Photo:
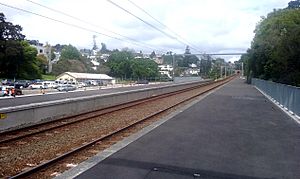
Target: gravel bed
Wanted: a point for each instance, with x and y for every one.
(29, 152)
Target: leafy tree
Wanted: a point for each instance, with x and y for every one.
(8, 31)
(123, 64)
(103, 69)
(119, 63)
(58, 47)
(17, 57)
(294, 4)
(167, 59)
(144, 68)
(205, 66)
(152, 55)
(187, 50)
(10, 48)
(29, 66)
(70, 52)
(68, 65)
(104, 48)
(275, 50)
(42, 63)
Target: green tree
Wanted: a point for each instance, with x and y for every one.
(119, 63)
(70, 52)
(10, 48)
(17, 57)
(144, 68)
(104, 48)
(152, 55)
(68, 65)
(124, 65)
(42, 63)
(275, 50)
(294, 4)
(29, 66)
(205, 66)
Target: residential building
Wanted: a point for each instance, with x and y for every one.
(165, 70)
(101, 79)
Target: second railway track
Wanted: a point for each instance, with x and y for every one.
(31, 151)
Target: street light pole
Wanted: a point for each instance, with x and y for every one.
(221, 72)
(225, 71)
(242, 68)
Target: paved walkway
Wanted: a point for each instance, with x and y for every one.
(233, 133)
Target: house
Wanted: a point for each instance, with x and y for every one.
(39, 46)
(165, 70)
(100, 79)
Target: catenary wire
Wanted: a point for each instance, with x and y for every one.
(154, 27)
(143, 10)
(69, 24)
(89, 23)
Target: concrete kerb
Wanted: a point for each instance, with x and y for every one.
(295, 117)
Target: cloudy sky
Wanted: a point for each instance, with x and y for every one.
(208, 26)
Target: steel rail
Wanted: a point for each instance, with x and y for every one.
(125, 106)
(52, 161)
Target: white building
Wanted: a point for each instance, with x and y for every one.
(165, 70)
(72, 77)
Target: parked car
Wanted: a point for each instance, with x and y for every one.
(23, 83)
(7, 82)
(38, 85)
(51, 84)
(3, 91)
(66, 88)
(81, 85)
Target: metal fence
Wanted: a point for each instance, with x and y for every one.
(287, 96)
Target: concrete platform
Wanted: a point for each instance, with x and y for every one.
(234, 132)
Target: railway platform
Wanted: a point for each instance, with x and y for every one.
(234, 132)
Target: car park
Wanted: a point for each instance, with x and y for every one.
(38, 85)
(66, 88)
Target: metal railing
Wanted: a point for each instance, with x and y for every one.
(287, 96)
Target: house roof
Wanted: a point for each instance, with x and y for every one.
(88, 76)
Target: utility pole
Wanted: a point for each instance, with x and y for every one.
(242, 68)
(173, 65)
(48, 56)
(225, 71)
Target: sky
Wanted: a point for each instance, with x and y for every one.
(207, 26)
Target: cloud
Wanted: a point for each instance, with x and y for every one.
(210, 26)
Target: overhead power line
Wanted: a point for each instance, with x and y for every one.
(89, 23)
(143, 10)
(69, 24)
(154, 27)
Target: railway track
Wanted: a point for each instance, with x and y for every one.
(18, 134)
(31, 135)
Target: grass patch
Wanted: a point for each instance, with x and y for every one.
(49, 77)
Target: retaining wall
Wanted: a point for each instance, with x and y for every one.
(26, 115)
